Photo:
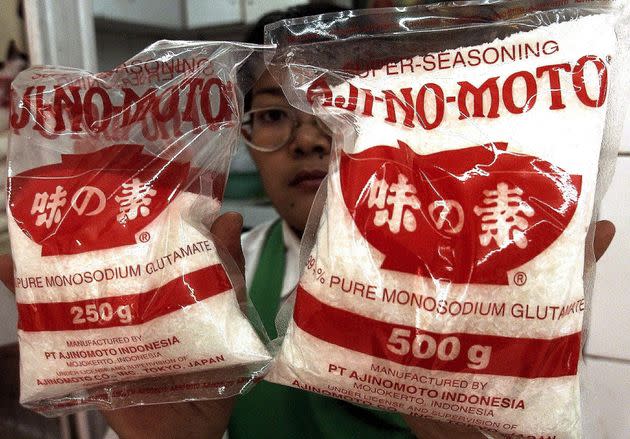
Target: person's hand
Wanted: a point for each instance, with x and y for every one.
(429, 429)
(187, 420)
(604, 234)
(183, 420)
(190, 420)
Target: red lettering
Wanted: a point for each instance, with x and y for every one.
(142, 105)
(530, 94)
(172, 103)
(407, 106)
(477, 94)
(206, 105)
(190, 112)
(368, 105)
(351, 104)
(579, 83)
(21, 120)
(554, 83)
(438, 94)
(320, 90)
(74, 106)
(91, 112)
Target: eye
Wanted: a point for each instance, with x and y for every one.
(271, 116)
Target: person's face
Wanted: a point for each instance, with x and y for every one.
(292, 174)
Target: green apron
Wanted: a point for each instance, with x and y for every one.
(272, 411)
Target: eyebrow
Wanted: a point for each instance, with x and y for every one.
(276, 91)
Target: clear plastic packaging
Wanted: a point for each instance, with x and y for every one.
(447, 261)
(114, 179)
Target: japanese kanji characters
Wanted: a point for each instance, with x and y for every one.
(402, 199)
(48, 206)
(442, 220)
(136, 197)
(502, 215)
(90, 192)
(447, 215)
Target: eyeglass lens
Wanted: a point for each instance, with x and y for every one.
(271, 128)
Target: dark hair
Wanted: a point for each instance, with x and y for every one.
(257, 33)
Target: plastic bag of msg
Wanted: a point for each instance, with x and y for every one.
(445, 272)
(124, 297)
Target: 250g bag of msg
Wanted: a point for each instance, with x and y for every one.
(472, 143)
(123, 295)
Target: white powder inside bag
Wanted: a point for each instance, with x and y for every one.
(207, 334)
(446, 276)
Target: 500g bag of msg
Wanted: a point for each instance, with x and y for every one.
(445, 273)
(124, 297)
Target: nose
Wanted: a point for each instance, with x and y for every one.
(309, 138)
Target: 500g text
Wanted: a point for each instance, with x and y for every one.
(425, 346)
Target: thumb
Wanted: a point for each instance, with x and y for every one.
(227, 232)
(604, 234)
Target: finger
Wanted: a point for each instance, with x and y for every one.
(6, 272)
(227, 231)
(604, 234)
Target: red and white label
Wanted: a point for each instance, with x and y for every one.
(128, 309)
(468, 215)
(452, 352)
(94, 201)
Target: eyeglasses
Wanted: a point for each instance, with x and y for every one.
(269, 129)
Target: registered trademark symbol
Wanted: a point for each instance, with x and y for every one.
(144, 237)
(520, 278)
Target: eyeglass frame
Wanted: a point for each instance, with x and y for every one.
(291, 112)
